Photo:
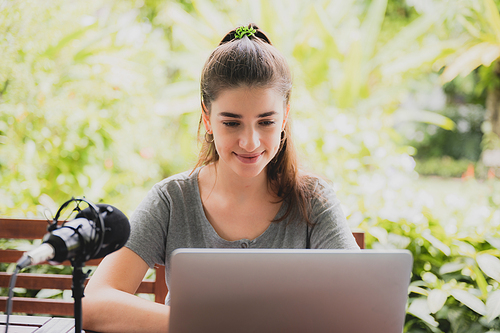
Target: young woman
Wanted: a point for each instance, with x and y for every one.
(245, 192)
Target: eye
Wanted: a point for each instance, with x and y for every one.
(267, 122)
(230, 123)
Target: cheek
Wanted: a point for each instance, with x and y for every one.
(275, 140)
(222, 143)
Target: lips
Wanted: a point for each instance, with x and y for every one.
(249, 158)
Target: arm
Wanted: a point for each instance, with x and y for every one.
(110, 305)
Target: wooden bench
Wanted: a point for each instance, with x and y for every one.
(35, 229)
(32, 229)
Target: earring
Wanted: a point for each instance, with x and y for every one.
(207, 140)
(283, 135)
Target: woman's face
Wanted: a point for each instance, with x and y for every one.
(246, 124)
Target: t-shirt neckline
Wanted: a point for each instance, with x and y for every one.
(211, 229)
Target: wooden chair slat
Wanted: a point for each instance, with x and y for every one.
(360, 238)
(23, 228)
(38, 281)
(54, 307)
(12, 256)
(59, 281)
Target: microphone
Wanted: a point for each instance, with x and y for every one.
(91, 235)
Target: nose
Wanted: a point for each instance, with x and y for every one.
(250, 140)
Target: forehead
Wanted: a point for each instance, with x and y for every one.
(248, 100)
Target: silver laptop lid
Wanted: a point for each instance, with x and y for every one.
(227, 290)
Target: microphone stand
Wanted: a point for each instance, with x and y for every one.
(78, 285)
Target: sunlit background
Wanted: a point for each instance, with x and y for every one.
(396, 102)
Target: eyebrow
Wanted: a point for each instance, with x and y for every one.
(239, 116)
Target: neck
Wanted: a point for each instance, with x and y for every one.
(234, 186)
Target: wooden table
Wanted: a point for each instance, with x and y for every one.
(30, 324)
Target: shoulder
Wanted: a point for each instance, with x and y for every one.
(178, 190)
(173, 188)
(185, 181)
(320, 195)
(315, 187)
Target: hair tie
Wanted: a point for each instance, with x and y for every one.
(244, 31)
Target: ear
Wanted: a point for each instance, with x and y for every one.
(285, 116)
(206, 118)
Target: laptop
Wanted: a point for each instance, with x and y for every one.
(242, 290)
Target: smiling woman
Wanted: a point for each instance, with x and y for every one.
(246, 190)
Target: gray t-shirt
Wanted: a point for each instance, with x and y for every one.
(172, 216)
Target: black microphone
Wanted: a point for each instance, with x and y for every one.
(83, 237)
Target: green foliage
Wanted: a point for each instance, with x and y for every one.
(453, 233)
(462, 142)
(78, 113)
(442, 166)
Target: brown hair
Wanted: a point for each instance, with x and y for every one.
(253, 61)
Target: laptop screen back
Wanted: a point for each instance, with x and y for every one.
(222, 290)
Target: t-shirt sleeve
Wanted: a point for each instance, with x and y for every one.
(330, 229)
(149, 225)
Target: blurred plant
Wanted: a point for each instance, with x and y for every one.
(77, 112)
(463, 142)
(480, 48)
(470, 78)
(443, 167)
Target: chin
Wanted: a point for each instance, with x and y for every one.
(248, 171)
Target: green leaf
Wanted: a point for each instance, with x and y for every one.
(372, 25)
(52, 51)
(481, 281)
(481, 53)
(490, 265)
(48, 293)
(493, 17)
(493, 305)
(418, 290)
(473, 30)
(413, 60)
(436, 300)
(392, 49)
(420, 309)
(436, 242)
(469, 300)
(451, 267)
(465, 248)
(495, 241)
(423, 116)
(353, 77)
